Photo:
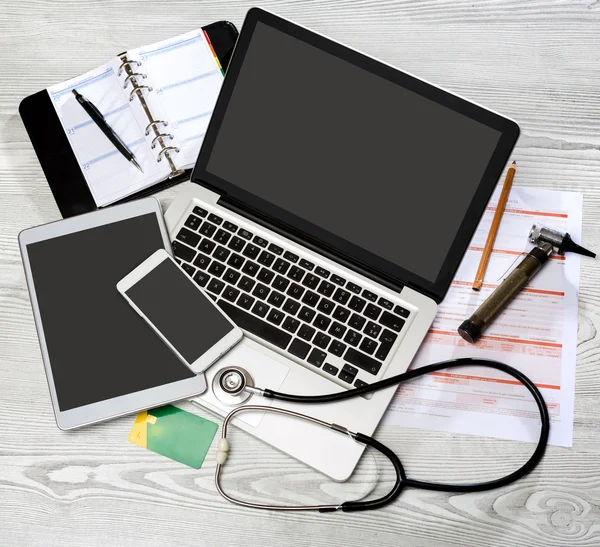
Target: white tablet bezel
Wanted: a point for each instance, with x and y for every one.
(125, 404)
(209, 357)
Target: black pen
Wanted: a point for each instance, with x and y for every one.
(99, 120)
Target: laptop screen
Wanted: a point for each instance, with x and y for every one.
(374, 163)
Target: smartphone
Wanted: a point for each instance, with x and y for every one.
(179, 311)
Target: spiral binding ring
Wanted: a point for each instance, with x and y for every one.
(160, 135)
(127, 63)
(154, 124)
(131, 94)
(164, 150)
(133, 75)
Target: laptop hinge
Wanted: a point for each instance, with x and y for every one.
(312, 244)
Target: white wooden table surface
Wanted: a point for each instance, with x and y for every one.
(536, 61)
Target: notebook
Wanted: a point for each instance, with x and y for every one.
(158, 98)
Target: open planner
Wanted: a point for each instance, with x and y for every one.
(157, 98)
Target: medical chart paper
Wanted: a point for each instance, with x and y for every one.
(537, 334)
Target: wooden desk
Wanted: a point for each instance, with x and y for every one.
(538, 62)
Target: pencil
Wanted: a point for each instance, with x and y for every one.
(489, 244)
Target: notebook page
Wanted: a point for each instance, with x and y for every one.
(108, 174)
(186, 78)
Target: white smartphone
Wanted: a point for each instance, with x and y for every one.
(180, 312)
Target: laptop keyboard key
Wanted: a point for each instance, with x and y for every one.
(260, 241)
(362, 361)
(291, 325)
(281, 283)
(317, 357)
(310, 298)
(341, 296)
(299, 348)
(322, 272)
(199, 211)
(296, 273)
(391, 321)
(188, 269)
(311, 281)
(326, 288)
(337, 329)
(245, 301)
(399, 310)
(338, 280)
(306, 332)
(246, 284)
(306, 314)
(230, 226)
(275, 317)
(231, 293)
(208, 229)
(216, 268)
(276, 249)
(214, 218)
(193, 222)
(236, 261)
(231, 276)
(357, 321)
(348, 373)
(251, 251)
(370, 295)
(326, 306)
(276, 299)
(256, 326)
(321, 340)
(188, 237)
(306, 264)
(295, 290)
(221, 253)
(266, 276)
(260, 309)
(236, 244)
(281, 266)
(207, 246)
(353, 287)
(291, 306)
(341, 314)
(201, 278)
(322, 322)
(202, 261)
(250, 268)
(245, 234)
(222, 236)
(384, 303)
(290, 256)
(368, 345)
(337, 348)
(387, 340)
(372, 329)
(183, 251)
(360, 383)
(266, 258)
(352, 337)
(261, 291)
(372, 311)
(330, 369)
(357, 303)
(215, 286)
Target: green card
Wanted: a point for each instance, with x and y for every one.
(174, 433)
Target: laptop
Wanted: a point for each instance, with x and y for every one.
(331, 204)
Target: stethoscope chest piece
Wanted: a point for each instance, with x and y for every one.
(229, 385)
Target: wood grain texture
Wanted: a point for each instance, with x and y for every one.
(536, 61)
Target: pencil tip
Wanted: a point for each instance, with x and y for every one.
(514, 163)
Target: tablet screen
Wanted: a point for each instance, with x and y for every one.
(99, 347)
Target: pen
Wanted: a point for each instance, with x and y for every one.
(489, 244)
(99, 120)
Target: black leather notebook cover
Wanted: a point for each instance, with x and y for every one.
(54, 152)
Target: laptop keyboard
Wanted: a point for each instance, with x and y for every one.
(286, 300)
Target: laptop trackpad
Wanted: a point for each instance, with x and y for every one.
(261, 363)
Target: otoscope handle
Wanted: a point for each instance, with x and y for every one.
(472, 329)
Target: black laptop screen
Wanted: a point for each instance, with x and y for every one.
(351, 152)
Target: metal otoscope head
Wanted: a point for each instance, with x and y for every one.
(561, 242)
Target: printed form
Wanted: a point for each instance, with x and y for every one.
(536, 334)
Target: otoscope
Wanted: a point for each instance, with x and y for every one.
(546, 241)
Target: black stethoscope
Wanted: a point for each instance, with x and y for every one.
(235, 381)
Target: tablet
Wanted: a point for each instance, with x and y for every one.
(102, 360)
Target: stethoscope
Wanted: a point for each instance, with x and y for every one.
(237, 382)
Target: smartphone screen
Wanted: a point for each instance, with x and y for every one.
(179, 310)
